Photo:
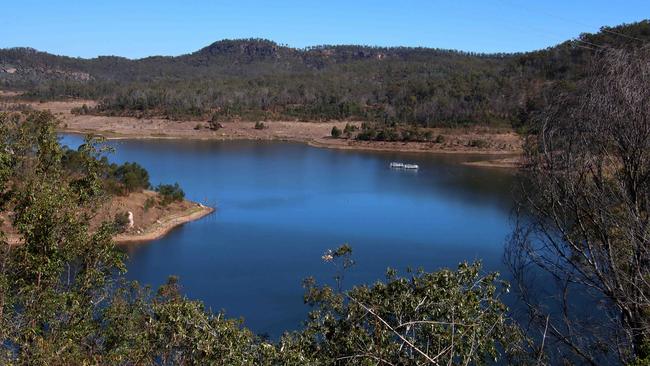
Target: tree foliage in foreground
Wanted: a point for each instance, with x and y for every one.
(64, 301)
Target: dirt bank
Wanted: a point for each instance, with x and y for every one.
(471, 140)
(150, 220)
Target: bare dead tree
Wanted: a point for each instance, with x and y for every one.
(584, 216)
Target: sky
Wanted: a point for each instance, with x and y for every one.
(140, 28)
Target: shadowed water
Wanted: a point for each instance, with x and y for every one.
(281, 205)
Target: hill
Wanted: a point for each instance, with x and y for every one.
(256, 79)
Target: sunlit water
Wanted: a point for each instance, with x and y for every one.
(280, 206)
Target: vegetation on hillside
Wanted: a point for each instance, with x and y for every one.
(259, 80)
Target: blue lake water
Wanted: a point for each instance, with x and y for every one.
(280, 206)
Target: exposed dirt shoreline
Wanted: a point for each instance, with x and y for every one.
(148, 223)
(469, 141)
(164, 226)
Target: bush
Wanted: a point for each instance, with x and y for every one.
(259, 125)
(336, 132)
(214, 124)
(83, 110)
(439, 139)
(170, 193)
(149, 203)
(349, 129)
(132, 176)
(478, 143)
(121, 222)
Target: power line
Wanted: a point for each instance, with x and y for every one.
(603, 29)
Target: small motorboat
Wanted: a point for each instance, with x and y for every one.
(411, 166)
(396, 165)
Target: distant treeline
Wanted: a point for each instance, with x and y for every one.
(257, 79)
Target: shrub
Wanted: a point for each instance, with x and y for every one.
(214, 124)
(121, 222)
(349, 129)
(170, 193)
(149, 203)
(259, 125)
(439, 139)
(336, 132)
(83, 110)
(478, 143)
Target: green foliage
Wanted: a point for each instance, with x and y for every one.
(349, 129)
(336, 132)
(478, 143)
(133, 177)
(446, 317)
(61, 272)
(214, 123)
(393, 132)
(149, 203)
(170, 193)
(260, 80)
(83, 110)
(259, 125)
(121, 222)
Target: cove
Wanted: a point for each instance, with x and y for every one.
(281, 205)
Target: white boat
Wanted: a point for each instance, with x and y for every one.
(396, 165)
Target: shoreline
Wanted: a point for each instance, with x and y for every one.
(473, 140)
(153, 232)
(165, 225)
(325, 142)
(511, 162)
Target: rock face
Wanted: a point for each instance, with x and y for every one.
(131, 223)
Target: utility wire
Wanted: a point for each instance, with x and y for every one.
(587, 45)
(572, 21)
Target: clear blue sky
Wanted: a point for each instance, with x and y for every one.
(138, 28)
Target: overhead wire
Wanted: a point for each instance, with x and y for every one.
(603, 29)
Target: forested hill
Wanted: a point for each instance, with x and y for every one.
(259, 79)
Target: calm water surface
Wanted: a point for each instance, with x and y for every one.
(281, 205)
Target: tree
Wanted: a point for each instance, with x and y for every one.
(170, 193)
(585, 216)
(133, 177)
(61, 273)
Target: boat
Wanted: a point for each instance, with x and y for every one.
(397, 165)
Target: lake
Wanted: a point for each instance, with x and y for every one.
(281, 205)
